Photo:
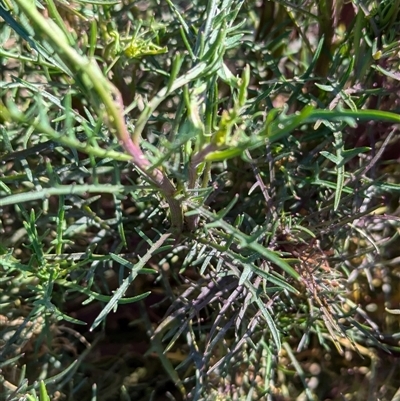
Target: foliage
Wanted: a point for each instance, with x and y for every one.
(199, 200)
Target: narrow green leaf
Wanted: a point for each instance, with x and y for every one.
(339, 168)
(270, 322)
(61, 190)
(43, 396)
(245, 274)
(274, 258)
(330, 157)
(134, 271)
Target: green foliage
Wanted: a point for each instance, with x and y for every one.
(206, 179)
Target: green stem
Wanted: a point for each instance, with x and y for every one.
(107, 100)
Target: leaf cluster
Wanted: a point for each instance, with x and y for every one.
(214, 175)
